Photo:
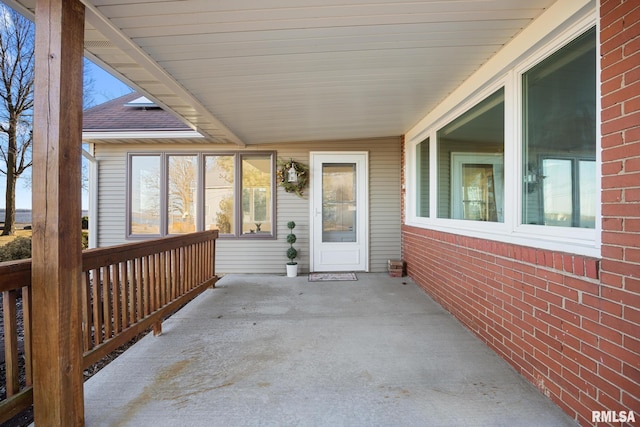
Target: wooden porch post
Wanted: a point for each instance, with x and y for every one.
(57, 251)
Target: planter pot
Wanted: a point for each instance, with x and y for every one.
(292, 270)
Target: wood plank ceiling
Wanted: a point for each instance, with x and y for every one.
(254, 72)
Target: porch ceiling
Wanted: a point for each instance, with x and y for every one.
(249, 72)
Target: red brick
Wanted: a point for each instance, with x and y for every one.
(632, 315)
(609, 72)
(613, 140)
(616, 378)
(631, 372)
(613, 168)
(562, 290)
(618, 324)
(616, 349)
(601, 357)
(610, 307)
(611, 279)
(629, 401)
(546, 297)
(621, 296)
(620, 239)
(629, 210)
(592, 267)
(613, 224)
(632, 75)
(582, 310)
(632, 225)
(632, 164)
(548, 341)
(602, 331)
(632, 344)
(632, 135)
(632, 195)
(631, 105)
(625, 180)
(615, 97)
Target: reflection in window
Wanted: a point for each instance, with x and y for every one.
(256, 194)
(145, 195)
(559, 128)
(219, 174)
(471, 163)
(568, 192)
(183, 174)
(422, 168)
(339, 202)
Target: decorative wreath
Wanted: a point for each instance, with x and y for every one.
(283, 174)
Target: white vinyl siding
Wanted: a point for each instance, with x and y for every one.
(268, 256)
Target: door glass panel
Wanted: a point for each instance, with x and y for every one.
(339, 202)
(478, 198)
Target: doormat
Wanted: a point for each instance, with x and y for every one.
(331, 277)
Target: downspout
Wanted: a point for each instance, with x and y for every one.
(93, 196)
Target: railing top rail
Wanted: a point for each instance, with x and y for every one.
(99, 257)
(16, 274)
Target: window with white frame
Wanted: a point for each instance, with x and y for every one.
(181, 193)
(559, 137)
(471, 163)
(522, 156)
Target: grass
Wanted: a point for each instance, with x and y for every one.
(19, 233)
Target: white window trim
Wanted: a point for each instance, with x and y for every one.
(566, 239)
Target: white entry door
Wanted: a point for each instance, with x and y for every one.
(339, 211)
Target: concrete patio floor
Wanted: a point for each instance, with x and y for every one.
(276, 351)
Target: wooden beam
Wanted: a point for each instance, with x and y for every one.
(57, 252)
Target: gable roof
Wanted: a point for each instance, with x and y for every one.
(132, 118)
(121, 114)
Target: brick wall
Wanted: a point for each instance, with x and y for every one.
(569, 324)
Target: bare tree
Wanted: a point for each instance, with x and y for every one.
(16, 110)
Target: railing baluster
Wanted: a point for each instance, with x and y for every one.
(107, 302)
(86, 310)
(26, 321)
(147, 287)
(97, 307)
(125, 295)
(10, 342)
(117, 312)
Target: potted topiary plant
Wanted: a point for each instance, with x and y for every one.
(292, 253)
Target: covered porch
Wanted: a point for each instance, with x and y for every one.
(271, 350)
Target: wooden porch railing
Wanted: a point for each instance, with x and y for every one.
(127, 289)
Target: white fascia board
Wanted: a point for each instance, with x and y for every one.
(158, 134)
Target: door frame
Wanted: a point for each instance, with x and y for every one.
(363, 201)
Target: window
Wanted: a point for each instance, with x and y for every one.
(219, 178)
(516, 159)
(144, 190)
(257, 173)
(422, 182)
(183, 193)
(470, 163)
(559, 137)
(183, 179)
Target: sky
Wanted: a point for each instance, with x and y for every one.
(105, 88)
